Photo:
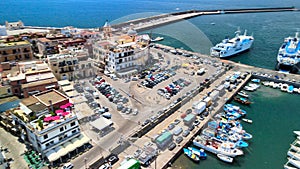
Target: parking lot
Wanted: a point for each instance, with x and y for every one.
(132, 104)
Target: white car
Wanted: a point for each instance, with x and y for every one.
(68, 166)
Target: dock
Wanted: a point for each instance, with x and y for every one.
(147, 23)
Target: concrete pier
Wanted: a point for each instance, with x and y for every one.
(147, 23)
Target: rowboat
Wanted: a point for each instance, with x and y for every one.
(247, 120)
(225, 158)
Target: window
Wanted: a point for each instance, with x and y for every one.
(8, 91)
(61, 129)
(74, 131)
(45, 136)
(73, 124)
(54, 64)
(47, 144)
(60, 138)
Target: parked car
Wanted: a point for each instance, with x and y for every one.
(171, 146)
(185, 133)
(67, 166)
(113, 158)
(179, 140)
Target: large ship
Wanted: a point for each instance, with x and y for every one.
(229, 47)
(288, 57)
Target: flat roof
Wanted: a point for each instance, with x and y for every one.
(63, 82)
(40, 76)
(29, 101)
(101, 123)
(40, 82)
(163, 137)
(14, 43)
(53, 95)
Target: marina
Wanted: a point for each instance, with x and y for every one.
(221, 115)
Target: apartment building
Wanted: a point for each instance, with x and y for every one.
(63, 65)
(15, 51)
(32, 78)
(54, 132)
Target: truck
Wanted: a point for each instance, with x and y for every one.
(200, 108)
(130, 164)
(208, 101)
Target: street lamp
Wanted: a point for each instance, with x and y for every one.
(85, 159)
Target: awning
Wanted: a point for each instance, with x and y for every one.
(60, 150)
(69, 146)
(50, 86)
(52, 155)
(59, 111)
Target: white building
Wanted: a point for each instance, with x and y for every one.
(124, 55)
(53, 134)
(3, 30)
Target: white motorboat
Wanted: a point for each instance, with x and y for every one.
(296, 163)
(295, 148)
(297, 133)
(217, 147)
(256, 86)
(293, 155)
(266, 83)
(247, 120)
(296, 90)
(243, 94)
(157, 39)
(229, 47)
(275, 85)
(225, 158)
(250, 89)
(271, 84)
(288, 167)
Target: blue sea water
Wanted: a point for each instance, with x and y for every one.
(275, 114)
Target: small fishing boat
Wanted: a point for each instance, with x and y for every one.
(246, 136)
(241, 144)
(243, 94)
(284, 87)
(288, 167)
(200, 153)
(247, 120)
(191, 155)
(296, 90)
(225, 158)
(296, 163)
(157, 39)
(242, 100)
(295, 148)
(255, 80)
(250, 89)
(290, 89)
(297, 133)
(293, 155)
(266, 83)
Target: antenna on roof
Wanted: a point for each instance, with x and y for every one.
(238, 31)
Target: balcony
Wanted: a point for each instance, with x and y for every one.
(62, 141)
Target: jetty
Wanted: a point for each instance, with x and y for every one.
(151, 22)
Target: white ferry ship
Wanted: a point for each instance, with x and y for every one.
(230, 47)
(288, 57)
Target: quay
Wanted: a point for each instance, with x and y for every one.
(151, 22)
(145, 134)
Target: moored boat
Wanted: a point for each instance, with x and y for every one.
(242, 100)
(191, 155)
(284, 87)
(290, 89)
(247, 120)
(225, 158)
(293, 155)
(243, 94)
(217, 147)
(250, 89)
(288, 167)
(255, 80)
(157, 39)
(266, 83)
(246, 136)
(297, 133)
(296, 163)
(200, 153)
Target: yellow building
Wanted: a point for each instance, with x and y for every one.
(15, 51)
